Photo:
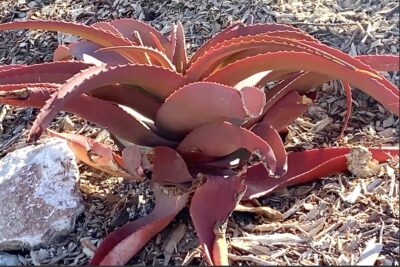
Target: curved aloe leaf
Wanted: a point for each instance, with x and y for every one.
(130, 96)
(19, 86)
(53, 72)
(286, 110)
(381, 62)
(93, 153)
(154, 54)
(149, 35)
(235, 49)
(272, 137)
(134, 159)
(103, 35)
(369, 82)
(238, 30)
(98, 76)
(199, 103)
(210, 210)
(178, 41)
(226, 139)
(103, 113)
(93, 34)
(304, 167)
(169, 167)
(62, 53)
(81, 49)
(27, 95)
(125, 242)
(248, 46)
(107, 26)
(12, 66)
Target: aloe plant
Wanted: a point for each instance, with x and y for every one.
(203, 125)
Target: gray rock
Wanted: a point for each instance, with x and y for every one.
(7, 259)
(39, 195)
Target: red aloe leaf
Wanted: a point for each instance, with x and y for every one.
(103, 113)
(226, 139)
(230, 50)
(125, 242)
(169, 167)
(368, 82)
(306, 166)
(238, 30)
(349, 106)
(62, 53)
(82, 48)
(106, 26)
(247, 46)
(155, 55)
(132, 160)
(286, 110)
(272, 137)
(19, 86)
(98, 76)
(27, 95)
(130, 96)
(103, 35)
(179, 58)
(149, 35)
(272, 76)
(53, 72)
(93, 153)
(381, 62)
(199, 103)
(311, 80)
(13, 66)
(210, 208)
(96, 35)
(252, 45)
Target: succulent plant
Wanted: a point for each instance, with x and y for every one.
(205, 126)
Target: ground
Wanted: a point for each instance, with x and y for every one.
(322, 223)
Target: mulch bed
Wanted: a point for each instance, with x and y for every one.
(330, 221)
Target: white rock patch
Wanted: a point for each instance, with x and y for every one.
(39, 195)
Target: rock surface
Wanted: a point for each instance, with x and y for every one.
(7, 259)
(360, 162)
(39, 195)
